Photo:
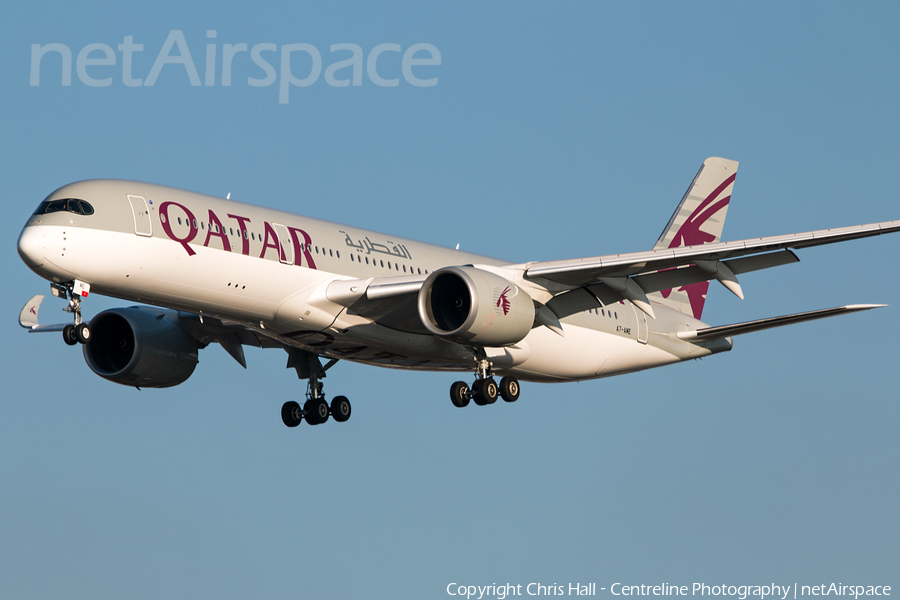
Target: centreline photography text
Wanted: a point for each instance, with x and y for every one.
(741, 592)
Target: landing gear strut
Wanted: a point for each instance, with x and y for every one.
(79, 332)
(316, 409)
(484, 390)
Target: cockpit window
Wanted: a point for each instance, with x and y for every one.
(72, 205)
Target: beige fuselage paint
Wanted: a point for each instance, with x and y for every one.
(269, 270)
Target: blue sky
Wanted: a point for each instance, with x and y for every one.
(555, 130)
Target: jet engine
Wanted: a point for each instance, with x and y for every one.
(143, 347)
(472, 306)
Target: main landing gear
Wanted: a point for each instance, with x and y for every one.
(484, 390)
(77, 332)
(316, 409)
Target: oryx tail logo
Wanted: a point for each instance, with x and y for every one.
(503, 301)
(690, 234)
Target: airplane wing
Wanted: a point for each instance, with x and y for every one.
(584, 271)
(711, 333)
(230, 335)
(632, 276)
(389, 301)
(578, 284)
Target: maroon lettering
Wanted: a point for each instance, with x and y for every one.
(245, 237)
(216, 229)
(305, 245)
(271, 235)
(167, 225)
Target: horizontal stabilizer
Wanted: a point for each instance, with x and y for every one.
(711, 333)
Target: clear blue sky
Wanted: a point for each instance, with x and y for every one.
(555, 130)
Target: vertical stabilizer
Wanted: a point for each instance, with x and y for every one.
(698, 220)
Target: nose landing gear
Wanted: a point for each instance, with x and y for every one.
(73, 291)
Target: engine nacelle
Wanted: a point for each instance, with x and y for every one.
(472, 306)
(140, 347)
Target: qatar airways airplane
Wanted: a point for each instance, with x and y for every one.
(235, 274)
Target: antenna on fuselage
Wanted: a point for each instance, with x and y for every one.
(228, 197)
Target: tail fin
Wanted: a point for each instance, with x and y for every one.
(698, 220)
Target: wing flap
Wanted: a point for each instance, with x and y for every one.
(598, 294)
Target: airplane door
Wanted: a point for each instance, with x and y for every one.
(287, 246)
(643, 329)
(141, 212)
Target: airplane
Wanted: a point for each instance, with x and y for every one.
(213, 270)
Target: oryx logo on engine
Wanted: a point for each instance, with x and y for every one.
(501, 301)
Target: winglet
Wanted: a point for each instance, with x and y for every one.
(28, 318)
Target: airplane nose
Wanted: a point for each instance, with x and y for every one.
(32, 246)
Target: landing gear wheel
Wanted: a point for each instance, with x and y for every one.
(484, 391)
(316, 411)
(459, 394)
(291, 414)
(308, 412)
(509, 389)
(340, 408)
(82, 333)
(68, 333)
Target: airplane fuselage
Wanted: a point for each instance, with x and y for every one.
(269, 271)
